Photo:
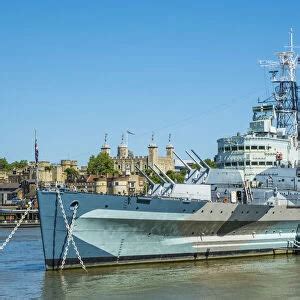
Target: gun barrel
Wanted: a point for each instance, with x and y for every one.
(156, 173)
(146, 176)
(183, 162)
(165, 175)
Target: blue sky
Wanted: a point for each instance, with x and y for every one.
(75, 70)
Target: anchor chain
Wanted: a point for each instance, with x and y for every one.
(16, 228)
(70, 238)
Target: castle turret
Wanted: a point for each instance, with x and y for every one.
(170, 148)
(105, 147)
(153, 152)
(122, 149)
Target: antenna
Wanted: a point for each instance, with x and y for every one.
(285, 95)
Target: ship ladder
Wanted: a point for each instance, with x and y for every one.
(10, 236)
(70, 228)
(248, 192)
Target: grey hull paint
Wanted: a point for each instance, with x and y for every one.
(116, 229)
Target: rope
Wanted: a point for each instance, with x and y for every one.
(70, 229)
(16, 228)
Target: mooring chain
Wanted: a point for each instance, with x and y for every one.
(16, 228)
(70, 238)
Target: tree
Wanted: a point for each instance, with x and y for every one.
(101, 164)
(19, 164)
(152, 176)
(72, 174)
(211, 163)
(4, 165)
(177, 177)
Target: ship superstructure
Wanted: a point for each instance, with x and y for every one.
(272, 140)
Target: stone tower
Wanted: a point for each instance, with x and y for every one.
(153, 152)
(170, 149)
(122, 149)
(105, 147)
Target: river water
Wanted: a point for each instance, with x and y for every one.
(22, 276)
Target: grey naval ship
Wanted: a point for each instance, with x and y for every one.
(249, 205)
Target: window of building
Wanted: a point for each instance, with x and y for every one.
(247, 147)
(241, 148)
(234, 148)
(253, 147)
(247, 163)
(227, 164)
(241, 163)
(261, 147)
(269, 163)
(234, 163)
(227, 148)
(254, 163)
(262, 163)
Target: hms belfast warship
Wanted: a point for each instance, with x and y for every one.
(248, 205)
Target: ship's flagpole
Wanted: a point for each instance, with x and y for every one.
(36, 156)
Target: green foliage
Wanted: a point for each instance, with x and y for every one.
(6, 166)
(152, 176)
(211, 163)
(101, 164)
(177, 177)
(72, 174)
(19, 164)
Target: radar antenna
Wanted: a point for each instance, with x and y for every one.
(285, 95)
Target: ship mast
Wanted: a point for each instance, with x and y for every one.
(285, 95)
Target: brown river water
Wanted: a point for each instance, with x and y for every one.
(22, 276)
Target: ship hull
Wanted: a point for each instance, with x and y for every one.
(121, 230)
